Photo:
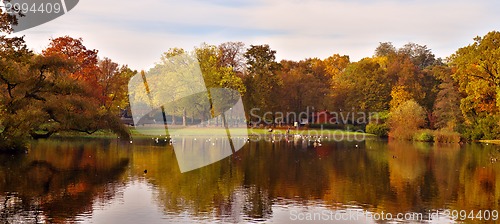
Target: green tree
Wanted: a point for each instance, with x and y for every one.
(181, 83)
(477, 72)
(175, 86)
(261, 81)
(219, 65)
(364, 86)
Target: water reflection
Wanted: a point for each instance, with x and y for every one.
(57, 181)
(104, 181)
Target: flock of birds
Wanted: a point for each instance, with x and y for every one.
(315, 141)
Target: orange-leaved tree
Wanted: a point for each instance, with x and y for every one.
(85, 61)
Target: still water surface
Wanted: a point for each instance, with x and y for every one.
(104, 181)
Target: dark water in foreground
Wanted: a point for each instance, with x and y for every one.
(103, 181)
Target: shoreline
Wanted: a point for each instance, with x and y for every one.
(219, 131)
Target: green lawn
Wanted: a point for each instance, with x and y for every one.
(250, 131)
(218, 132)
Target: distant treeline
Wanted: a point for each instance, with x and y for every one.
(409, 87)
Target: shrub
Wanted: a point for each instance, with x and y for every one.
(484, 128)
(327, 126)
(352, 127)
(380, 130)
(349, 127)
(379, 117)
(406, 119)
(424, 136)
(444, 136)
(441, 136)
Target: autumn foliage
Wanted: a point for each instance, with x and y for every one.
(68, 87)
(63, 89)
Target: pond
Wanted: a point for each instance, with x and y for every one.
(108, 181)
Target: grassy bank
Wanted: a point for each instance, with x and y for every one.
(496, 142)
(218, 131)
(440, 136)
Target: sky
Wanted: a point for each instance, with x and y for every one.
(136, 33)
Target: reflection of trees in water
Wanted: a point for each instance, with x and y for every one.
(61, 180)
(424, 176)
(242, 185)
(479, 185)
(394, 177)
(57, 182)
(258, 203)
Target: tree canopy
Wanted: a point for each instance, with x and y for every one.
(54, 92)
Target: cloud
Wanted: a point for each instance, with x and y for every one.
(136, 33)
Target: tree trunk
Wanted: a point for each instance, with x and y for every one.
(184, 117)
